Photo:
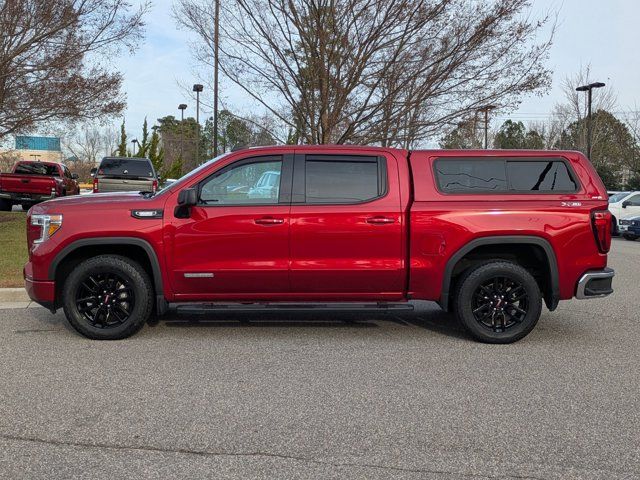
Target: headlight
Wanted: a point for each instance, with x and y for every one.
(49, 224)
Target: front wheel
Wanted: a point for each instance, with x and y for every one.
(498, 302)
(108, 297)
(5, 205)
(629, 236)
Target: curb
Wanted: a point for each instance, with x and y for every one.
(15, 298)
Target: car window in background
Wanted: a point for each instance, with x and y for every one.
(617, 197)
(126, 167)
(36, 169)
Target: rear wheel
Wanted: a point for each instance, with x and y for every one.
(498, 302)
(5, 205)
(108, 297)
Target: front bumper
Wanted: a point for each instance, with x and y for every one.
(595, 284)
(41, 292)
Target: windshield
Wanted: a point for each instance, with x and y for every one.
(617, 197)
(36, 168)
(126, 167)
(185, 178)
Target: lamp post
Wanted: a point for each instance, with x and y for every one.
(216, 42)
(486, 110)
(135, 142)
(182, 107)
(588, 88)
(198, 88)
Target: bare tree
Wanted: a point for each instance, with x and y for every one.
(574, 108)
(50, 53)
(391, 72)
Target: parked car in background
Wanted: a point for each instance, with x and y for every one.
(125, 174)
(31, 182)
(489, 234)
(630, 227)
(623, 205)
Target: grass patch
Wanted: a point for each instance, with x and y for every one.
(13, 248)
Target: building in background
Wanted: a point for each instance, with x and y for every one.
(45, 149)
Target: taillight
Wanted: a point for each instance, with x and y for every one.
(95, 184)
(601, 223)
(154, 186)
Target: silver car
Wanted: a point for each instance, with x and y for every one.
(125, 174)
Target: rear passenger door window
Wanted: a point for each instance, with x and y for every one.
(504, 175)
(328, 179)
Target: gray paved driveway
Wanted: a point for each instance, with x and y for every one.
(328, 397)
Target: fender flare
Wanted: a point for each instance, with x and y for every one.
(161, 303)
(551, 301)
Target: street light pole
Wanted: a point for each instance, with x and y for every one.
(588, 88)
(198, 88)
(182, 107)
(216, 38)
(486, 109)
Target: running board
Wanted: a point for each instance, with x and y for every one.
(203, 308)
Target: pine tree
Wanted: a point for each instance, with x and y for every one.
(122, 146)
(155, 152)
(143, 147)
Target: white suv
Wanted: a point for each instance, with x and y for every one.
(622, 205)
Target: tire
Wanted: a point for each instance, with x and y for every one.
(630, 237)
(5, 205)
(614, 227)
(477, 295)
(108, 297)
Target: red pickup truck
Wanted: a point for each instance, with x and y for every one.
(31, 182)
(487, 234)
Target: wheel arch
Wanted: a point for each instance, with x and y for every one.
(129, 247)
(551, 294)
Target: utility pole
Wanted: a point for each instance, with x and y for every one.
(198, 88)
(182, 107)
(216, 43)
(588, 88)
(486, 109)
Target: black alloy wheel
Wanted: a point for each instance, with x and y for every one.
(105, 300)
(500, 303)
(108, 297)
(497, 301)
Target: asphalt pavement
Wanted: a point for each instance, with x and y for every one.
(328, 396)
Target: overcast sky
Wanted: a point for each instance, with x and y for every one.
(603, 34)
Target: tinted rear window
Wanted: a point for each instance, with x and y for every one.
(538, 176)
(466, 175)
(342, 181)
(126, 167)
(36, 169)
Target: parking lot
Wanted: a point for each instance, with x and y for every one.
(316, 396)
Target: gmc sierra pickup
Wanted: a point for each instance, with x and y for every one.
(31, 182)
(487, 234)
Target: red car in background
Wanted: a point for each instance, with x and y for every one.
(31, 182)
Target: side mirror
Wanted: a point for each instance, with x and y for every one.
(75, 176)
(93, 171)
(626, 203)
(188, 197)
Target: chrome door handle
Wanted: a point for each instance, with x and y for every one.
(381, 220)
(269, 221)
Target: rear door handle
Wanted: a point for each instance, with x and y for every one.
(381, 220)
(269, 221)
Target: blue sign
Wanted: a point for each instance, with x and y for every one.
(50, 144)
